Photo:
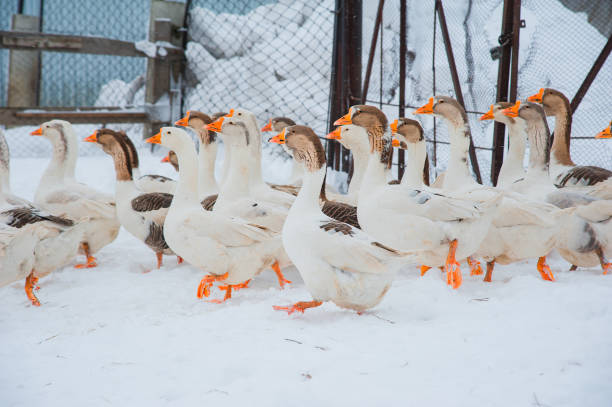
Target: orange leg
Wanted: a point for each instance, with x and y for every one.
(544, 270)
(179, 259)
(475, 269)
(298, 306)
(207, 283)
(453, 271)
(228, 290)
(424, 269)
(490, 267)
(605, 265)
(281, 278)
(91, 260)
(160, 257)
(29, 285)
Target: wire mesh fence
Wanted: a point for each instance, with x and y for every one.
(272, 58)
(552, 33)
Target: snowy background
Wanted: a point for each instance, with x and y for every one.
(115, 335)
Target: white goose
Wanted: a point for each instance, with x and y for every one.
(232, 250)
(258, 188)
(355, 139)
(584, 236)
(521, 229)
(276, 125)
(235, 198)
(59, 193)
(140, 213)
(443, 227)
(33, 243)
(563, 171)
(207, 151)
(338, 262)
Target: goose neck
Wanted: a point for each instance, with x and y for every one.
(237, 183)
(360, 165)
(539, 148)
(512, 167)
(207, 155)
(415, 157)
(561, 142)
(56, 170)
(375, 175)
(458, 172)
(187, 188)
(308, 197)
(254, 159)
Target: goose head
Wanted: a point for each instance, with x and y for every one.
(605, 133)
(374, 121)
(552, 100)
(277, 124)
(172, 159)
(304, 145)
(447, 108)
(234, 130)
(198, 121)
(351, 136)
(174, 138)
(114, 144)
(406, 132)
(55, 131)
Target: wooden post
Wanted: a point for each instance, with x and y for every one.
(162, 75)
(24, 67)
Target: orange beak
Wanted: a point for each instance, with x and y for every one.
(395, 142)
(537, 98)
(166, 159)
(183, 121)
(346, 119)
(37, 132)
(156, 139)
(279, 138)
(93, 138)
(335, 135)
(425, 109)
(394, 129)
(512, 111)
(488, 115)
(268, 126)
(605, 133)
(216, 125)
(230, 114)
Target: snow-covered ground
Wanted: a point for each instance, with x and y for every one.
(115, 335)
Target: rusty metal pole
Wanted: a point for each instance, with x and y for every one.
(352, 84)
(335, 92)
(516, 30)
(368, 73)
(503, 75)
(588, 80)
(402, 81)
(456, 83)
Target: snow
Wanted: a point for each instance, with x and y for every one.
(115, 335)
(147, 47)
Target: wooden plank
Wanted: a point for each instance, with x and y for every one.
(18, 116)
(24, 67)
(77, 44)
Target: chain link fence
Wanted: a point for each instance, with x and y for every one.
(557, 49)
(272, 58)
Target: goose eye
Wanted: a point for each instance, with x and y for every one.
(441, 101)
(239, 114)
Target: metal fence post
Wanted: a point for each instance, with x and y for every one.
(456, 83)
(503, 72)
(402, 81)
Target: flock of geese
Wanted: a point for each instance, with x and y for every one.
(346, 247)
